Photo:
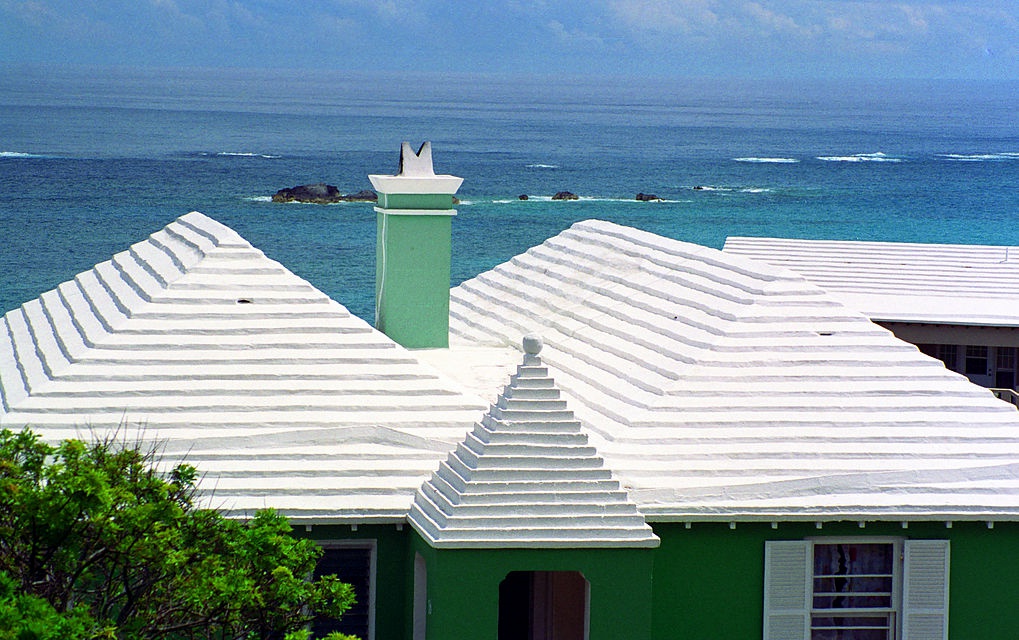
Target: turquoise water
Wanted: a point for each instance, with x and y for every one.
(93, 161)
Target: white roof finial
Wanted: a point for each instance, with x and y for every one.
(532, 344)
(417, 165)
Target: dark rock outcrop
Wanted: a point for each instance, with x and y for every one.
(565, 195)
(366, 195)
(321, 193)
(522, 196)
(648, 197)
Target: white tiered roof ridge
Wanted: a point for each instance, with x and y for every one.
(717, 387)
(279, 395)
(526, 476)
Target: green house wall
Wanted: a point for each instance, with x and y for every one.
(463, 588)
(705, 582)
(709, 579)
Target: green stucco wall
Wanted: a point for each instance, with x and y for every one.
(706, 582)
(463, 588)
(709, 579)
(412, 265)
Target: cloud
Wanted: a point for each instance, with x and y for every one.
(573, 37)
(769, 21)
(681, 16)
(742, 37)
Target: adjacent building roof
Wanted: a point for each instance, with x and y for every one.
(902, 282)
(716, 387)
(274, 391)
(527, 477)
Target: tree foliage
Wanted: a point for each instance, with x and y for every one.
(97, 541)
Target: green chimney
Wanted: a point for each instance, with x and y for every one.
(412, 251)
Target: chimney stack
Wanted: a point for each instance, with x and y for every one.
(412, 251)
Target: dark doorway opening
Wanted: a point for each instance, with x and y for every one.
(543, 605)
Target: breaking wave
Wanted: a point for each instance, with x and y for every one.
(19, 154)
(539, 165)
(767, 160)
(978, 157)
(237, 154)
(861, 157)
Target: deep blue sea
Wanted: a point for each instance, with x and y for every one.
(93, 160)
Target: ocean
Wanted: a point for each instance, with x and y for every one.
(94, 160)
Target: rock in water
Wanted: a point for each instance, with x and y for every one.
(565, 195)
(648, 197)
(318, 193)
(365, 195)
(321, 193)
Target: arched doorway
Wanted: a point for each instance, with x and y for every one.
(543, 605)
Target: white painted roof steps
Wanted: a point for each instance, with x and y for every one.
(719, 388)
(713, 387)
(275, 392)
(527, 477)
(903, 282)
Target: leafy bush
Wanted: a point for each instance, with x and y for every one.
(96, 541)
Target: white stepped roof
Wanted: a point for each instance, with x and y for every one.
(903, 282)
(275, 392)
(527, 477)
(716, 387)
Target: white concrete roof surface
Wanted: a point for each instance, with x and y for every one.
(712, 387)
(527, 477)
(716, 387)
(275, 392)
(903, 282)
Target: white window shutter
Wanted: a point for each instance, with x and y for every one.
(788, 588)
(925, 590)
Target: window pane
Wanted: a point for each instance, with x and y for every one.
(948, 354)
(353, 565)
(851, 628)
(1006, 357)
(853, 576)
(976, 360)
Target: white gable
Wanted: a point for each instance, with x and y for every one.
(720, 388)
(903, 282)
(275, 392)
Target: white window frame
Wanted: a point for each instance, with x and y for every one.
(372, 546)
(920, 587)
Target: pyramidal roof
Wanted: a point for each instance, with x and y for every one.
(527, 477)
(718, 387)
(197, 340)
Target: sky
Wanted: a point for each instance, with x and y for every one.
(966, 39)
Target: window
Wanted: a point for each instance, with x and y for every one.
(1006, 358)
(353, 563)
(949, 354)
(856, 589)
(976, 361)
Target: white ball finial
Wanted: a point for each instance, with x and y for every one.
(532, 344)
